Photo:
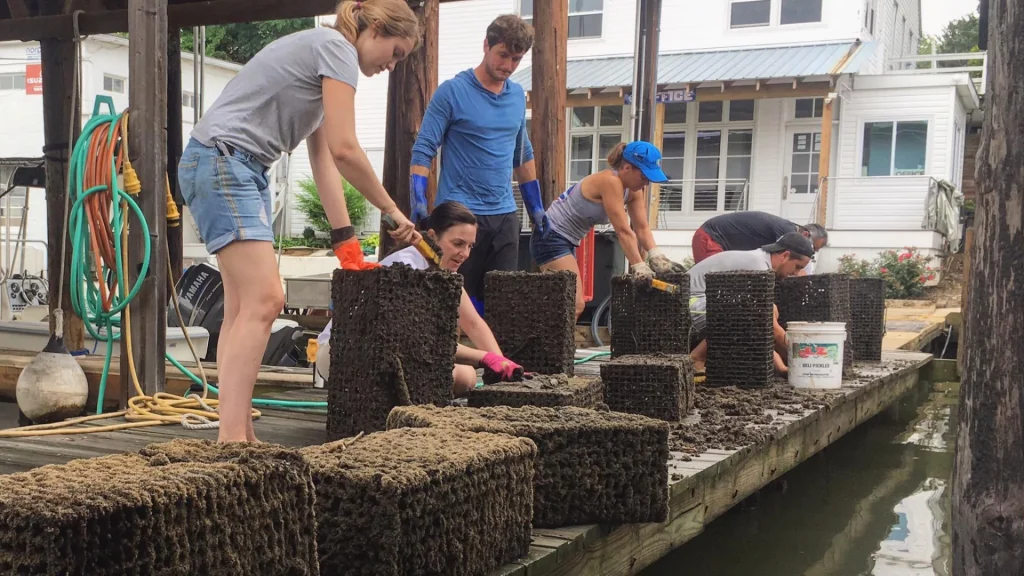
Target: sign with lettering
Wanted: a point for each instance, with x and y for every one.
(669, 96)
(33, 79)
(33, 53)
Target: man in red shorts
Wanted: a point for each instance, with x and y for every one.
(748, 231)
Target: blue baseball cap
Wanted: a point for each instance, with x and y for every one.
(646, 157)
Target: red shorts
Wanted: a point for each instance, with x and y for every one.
(704, 246)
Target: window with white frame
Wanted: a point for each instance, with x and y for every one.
(673, 162)
(759, 13)
(12, 81)
(718, 136)
(188, 100)
(593, 132)
(958, 155)
(800, 12)
(809, 108)
(750, 13)
(114, 84)
(894, 148)
(586, 17)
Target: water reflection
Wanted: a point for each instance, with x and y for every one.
(875, 503)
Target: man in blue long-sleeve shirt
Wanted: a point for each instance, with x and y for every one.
(478, 119)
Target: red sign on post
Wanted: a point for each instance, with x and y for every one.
(33, 79)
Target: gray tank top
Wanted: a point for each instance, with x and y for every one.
(572, 215)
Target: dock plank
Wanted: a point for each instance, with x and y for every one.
(701, 488)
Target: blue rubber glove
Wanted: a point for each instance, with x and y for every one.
(534, 205)
(418, 198)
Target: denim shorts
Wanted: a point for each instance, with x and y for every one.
(228, 195)
(550, 246)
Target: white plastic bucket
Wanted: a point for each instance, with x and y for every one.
(816, 354)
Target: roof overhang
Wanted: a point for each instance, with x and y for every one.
(767, 72)
(962, 82)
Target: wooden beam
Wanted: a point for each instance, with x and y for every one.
(410, 87)
(965, 295)
(805, 90)
(659, 140)
(18, 9)
(174, 142)
(824, 160)
(551, 32)
(645, 78)
(186, 15)
(59, 115)
(147, 91)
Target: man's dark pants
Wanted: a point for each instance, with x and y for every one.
(496, 248)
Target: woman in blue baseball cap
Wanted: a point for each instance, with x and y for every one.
(615, 194)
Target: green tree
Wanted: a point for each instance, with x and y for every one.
(308, 202)
(960, 35)
(240, 42)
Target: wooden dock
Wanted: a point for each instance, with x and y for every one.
(701, 488)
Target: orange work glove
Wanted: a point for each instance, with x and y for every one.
(350, 254)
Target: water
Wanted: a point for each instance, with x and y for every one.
(877, 502)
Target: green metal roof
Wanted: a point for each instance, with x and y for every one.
(714, 66)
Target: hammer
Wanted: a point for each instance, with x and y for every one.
(422, 247)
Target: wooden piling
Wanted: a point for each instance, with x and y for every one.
(551, 30)
(59, 115)
(147, 91)
(410, 87)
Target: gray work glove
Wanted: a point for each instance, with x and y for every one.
(661, 264)
(642, 270)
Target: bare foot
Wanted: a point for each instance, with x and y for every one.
(250, 433)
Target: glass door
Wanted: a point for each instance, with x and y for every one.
(800, 184)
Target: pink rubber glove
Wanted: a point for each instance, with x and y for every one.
(506, 369)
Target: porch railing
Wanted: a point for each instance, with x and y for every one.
(973, 63)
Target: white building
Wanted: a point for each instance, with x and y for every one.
(760, 71)
(742, 84)
(104, 72)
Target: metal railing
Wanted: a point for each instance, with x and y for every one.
(973, 63)
(706, 195)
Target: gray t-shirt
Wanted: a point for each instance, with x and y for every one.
(728, 261)
(276, 101)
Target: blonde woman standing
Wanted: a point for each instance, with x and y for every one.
(299, 87)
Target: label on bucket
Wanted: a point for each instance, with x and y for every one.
(816, 354)
(815, 351)
(815, 360)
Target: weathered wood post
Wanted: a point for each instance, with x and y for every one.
(410, 87)
(61, 112)
(548, 96)
(645, 74)
(147, 125)
(174, 140)
(988, 475)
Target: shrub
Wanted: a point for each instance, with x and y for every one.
(308, 202)
(905, 273)
(370, 243)
(856, 267)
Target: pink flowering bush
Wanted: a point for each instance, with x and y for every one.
(905, 272)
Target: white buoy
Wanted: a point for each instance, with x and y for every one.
(52, 387)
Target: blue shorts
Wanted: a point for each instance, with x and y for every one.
(550, 246)
(228, 196)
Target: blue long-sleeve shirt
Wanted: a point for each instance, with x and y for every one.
(482, 136)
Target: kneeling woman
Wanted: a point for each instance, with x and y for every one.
(452, 227)
(597, 199)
